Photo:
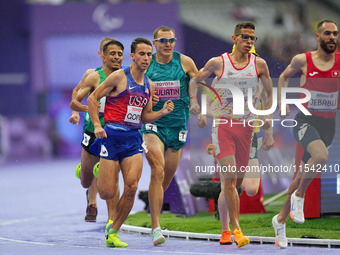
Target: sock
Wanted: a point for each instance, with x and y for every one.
(113, 231)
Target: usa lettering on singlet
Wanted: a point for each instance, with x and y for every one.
(244, 79)
(324, 88)
(124, 111)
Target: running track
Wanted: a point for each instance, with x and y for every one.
(42, 211)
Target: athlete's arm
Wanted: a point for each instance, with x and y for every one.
(213, 66)
(202, 119)
(90, 83)
(190, 69)
(267, 83)
(74, 119)
(296, 65)
(105, 88)
(148, 115)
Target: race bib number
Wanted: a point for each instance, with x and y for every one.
(183, 136)
(86, 140)
(323, 102)
(133, 115)
(151, 127)
(168, 90)
(102, 104)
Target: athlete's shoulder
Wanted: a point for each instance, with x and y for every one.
(260, 61)
(299, 60)
(92, 77)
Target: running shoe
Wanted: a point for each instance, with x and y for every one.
(157, 236)
(239, 238)
(112, 240)
(95, 170)
(296, 208)
(226, 238)
(108, 227)
(78, 168)
(91, 213)
(280, 233)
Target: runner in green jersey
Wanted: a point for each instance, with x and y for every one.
(171, 72)
(112, 60)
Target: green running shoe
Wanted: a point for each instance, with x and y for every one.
(78, 168)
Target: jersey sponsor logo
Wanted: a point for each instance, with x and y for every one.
(86, 139)
(133, 115)
(103, 151)
(335, 73)
(313, 73)
(323, 101)
(168, 90)
(302, 131)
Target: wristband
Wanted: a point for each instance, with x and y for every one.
(192, 97)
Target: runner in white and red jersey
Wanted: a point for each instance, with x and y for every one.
(242, 70)
(320, 74)
(129, 99)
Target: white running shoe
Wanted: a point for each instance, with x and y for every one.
(280, 233)
(157, 236)
(296, 208)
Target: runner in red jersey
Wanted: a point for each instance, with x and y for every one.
(241, 70)
(119, 144)
(320, 73)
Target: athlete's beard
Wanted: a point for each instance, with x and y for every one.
(324, 46)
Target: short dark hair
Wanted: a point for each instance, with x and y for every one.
(241, 25)
(321, 23)
(162, 28)
(112, 42)
(104, 40)
(137, 41)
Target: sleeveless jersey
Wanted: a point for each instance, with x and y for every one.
(243, 79)
(171, 83)
(123, 112)
(90, 126)
(324, 88)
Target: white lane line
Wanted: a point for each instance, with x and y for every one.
(102, 248)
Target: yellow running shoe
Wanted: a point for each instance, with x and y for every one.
(112, 240)
(78, 168)
(108, 227)
(95, 170)
(239, 238)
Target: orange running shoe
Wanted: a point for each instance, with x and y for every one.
(226, 238)
(239, 238)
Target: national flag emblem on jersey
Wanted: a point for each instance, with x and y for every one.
(146, 90)
(335, 73)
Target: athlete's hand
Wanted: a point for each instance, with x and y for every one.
(268, 141)
(287, 112)
(267, 123)
(74, 119)
(155, 100)
(202, 120)
(168, 107)
(100, 132)
(194, 107)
